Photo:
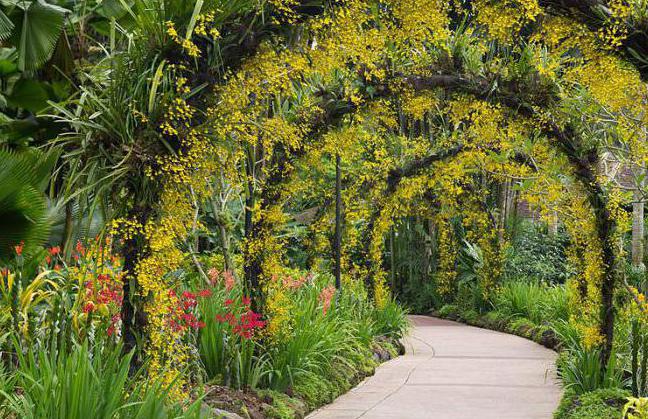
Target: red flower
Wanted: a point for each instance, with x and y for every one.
(53, 251)
(205, 293)
(175, 326)
(189, 295)
(111, 330)
(80, 249)
(246, 300)
(48, 260)
(19, 248)
(187, 305)
(103, 278)
(88, 308)
(57, 267)
(229, 302)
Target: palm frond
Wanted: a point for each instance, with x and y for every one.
(23, 208)
(38, 26)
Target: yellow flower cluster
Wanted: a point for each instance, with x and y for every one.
(505, 19)
(187, 44)
(168, 354)
(202, 26)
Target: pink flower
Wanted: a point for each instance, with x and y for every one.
(229, 280)
(213, 275)
(325, 297)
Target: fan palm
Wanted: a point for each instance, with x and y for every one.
(33, 27)
(23, 208)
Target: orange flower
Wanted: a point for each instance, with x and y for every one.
(229, 280)
(19, 248)
(325, 298)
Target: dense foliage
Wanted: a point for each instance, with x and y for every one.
(179, 179)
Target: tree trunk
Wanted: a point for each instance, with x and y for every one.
(68, 231)
(553, 224)
(338, 224)
(252, 264)
(584, 164)
(133, 322)
(637, 232)
(638, 223)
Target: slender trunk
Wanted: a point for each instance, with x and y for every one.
(503, 213)
(225, 237)
(227, 255)
(338, 224)
(68, 231)
(252, 265)
(133, 322)
(637, 233)
(392, 257)
(553, 224)
(638, 230)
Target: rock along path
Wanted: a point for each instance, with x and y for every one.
(454, 371)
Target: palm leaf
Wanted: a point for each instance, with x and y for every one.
(37, 29)
(23, 208)
(6, 26)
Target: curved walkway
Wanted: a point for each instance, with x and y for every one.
(454, 371)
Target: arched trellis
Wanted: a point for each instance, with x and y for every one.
(328, 65)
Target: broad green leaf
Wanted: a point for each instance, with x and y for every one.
(37, 29)
(30, 95)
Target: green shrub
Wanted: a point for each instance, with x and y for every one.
(598, 404)
(581, 372)
(390, 320)
(81, 383)
(635, 408)
(520, 299)
(538, 256)
(536, 302)
(449, 310)
(281, 406)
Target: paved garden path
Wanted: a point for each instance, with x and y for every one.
(454, 371)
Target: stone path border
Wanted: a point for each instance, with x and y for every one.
(454, 371)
